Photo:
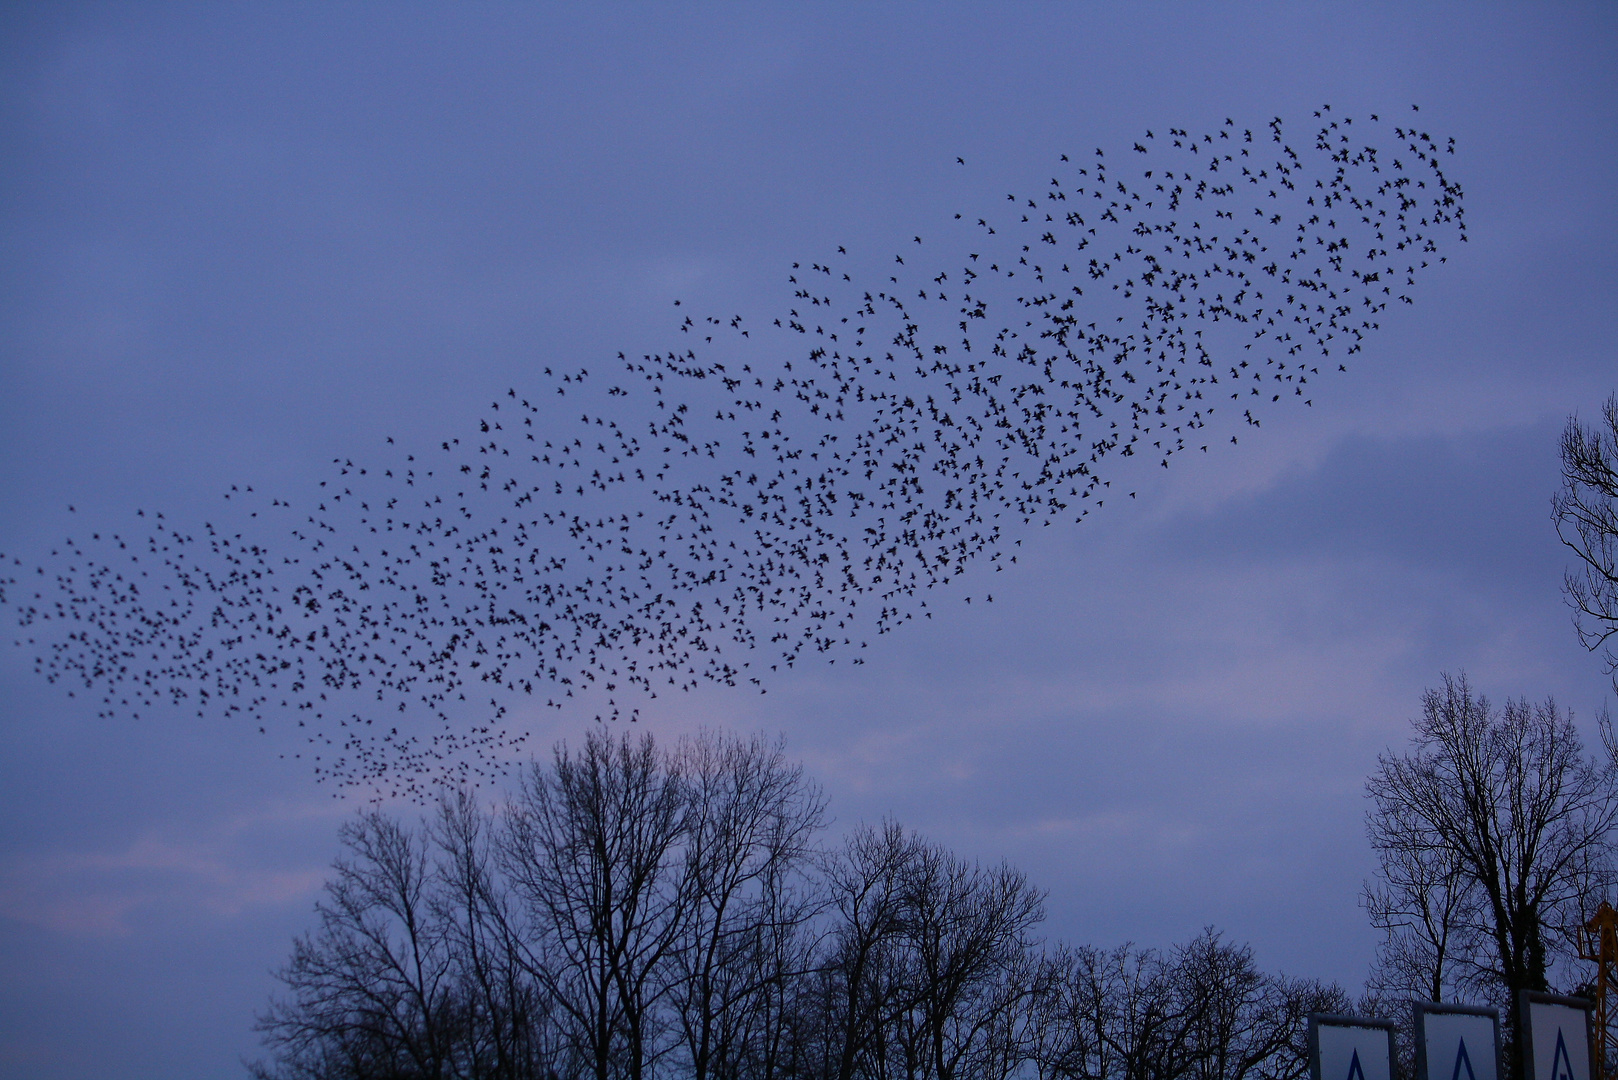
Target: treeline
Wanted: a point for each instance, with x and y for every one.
(1494, 837)
(638, 912)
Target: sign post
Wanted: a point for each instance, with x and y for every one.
(1351, 1048)
(1556, 1037)
(1457, 1042)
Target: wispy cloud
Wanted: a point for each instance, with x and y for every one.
(215, 872)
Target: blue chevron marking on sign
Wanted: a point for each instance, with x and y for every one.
(1561, 1064)
(1462, 1059)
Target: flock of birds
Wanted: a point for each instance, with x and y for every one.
(788, 489)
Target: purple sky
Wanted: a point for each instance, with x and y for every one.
(242, 241)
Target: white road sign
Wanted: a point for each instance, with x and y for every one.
(1558, 1037)
(1351, 1048)
(1457, 1043)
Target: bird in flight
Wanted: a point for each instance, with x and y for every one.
(619, 530)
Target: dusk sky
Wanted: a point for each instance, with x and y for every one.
(241, 241)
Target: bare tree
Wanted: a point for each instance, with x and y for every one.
(864, 982)
(591, 846)
(965, 936)
(751, 821)
(1064, 1042)
(1136, 1016)
(929, 968)
(373, 988)
(509, 1030)
(1509, 796)
(1242, 1023)
(635, 914)
(1425, 903)
(1288, 1003)
(1202, 1011)
(1586, 511)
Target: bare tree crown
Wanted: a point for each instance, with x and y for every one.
(1586, 510)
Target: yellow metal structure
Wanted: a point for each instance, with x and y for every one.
(1599, 945)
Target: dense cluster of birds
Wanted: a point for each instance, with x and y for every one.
(790, 489)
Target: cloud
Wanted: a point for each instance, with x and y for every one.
(215, 873)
